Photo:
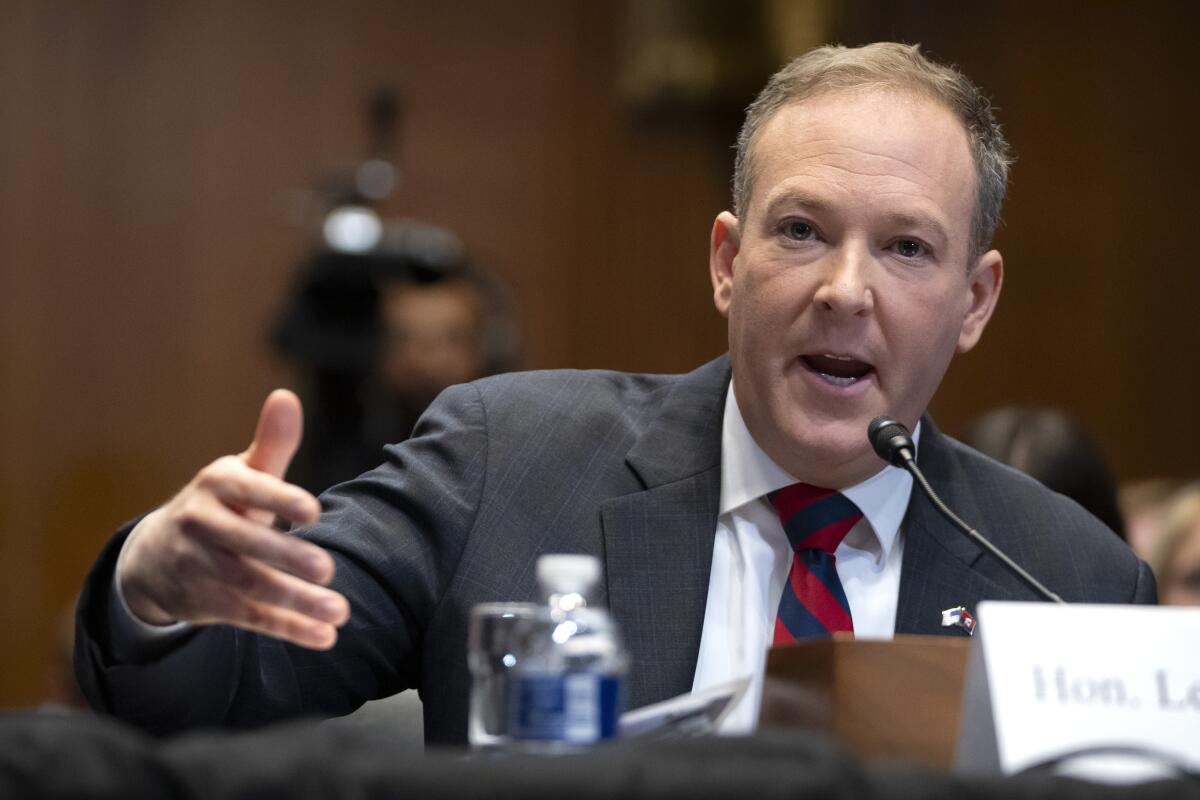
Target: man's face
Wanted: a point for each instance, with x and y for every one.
(846, 283)
(432, 338)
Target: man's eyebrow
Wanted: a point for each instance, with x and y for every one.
(804, 199)
(919, 222)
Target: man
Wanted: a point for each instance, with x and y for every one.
(855, 266)
(376, 337)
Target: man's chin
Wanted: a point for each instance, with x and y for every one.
(831, 454)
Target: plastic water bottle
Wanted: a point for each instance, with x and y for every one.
(567, 684)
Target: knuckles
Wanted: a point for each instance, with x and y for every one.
(191, 515)
(217, 473)
(188, 567)
(249, 581)
(254, 616)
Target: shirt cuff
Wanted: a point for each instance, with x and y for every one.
(131, 638)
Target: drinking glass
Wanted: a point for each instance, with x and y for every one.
(493, 639)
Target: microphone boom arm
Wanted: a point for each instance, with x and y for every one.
(892, 442)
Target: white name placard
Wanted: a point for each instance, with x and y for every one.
(1046, 682)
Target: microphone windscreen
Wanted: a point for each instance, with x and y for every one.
(889, 437)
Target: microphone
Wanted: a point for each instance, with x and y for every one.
(893, 443)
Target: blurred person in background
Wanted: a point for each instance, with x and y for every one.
(1143, 504)
(1055, 450)
(384, 315)
(377, 336)
(1175, 553)
(433, 337)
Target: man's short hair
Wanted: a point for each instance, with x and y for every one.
(835, 68)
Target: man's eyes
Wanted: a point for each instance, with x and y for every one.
(798, 230)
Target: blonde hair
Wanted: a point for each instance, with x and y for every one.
(835, 68)
(1179, 521)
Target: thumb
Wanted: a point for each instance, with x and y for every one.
(280, 427)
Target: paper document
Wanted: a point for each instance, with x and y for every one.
(692, 714)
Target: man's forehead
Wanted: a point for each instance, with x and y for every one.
(860, 118)
(900, 96)
(884, 140)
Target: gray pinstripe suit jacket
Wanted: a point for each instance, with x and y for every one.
(626, 467)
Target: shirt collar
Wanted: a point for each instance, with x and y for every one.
(748, 474)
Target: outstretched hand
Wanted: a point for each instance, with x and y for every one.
(211, 555)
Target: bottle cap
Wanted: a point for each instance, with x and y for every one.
(561, 574)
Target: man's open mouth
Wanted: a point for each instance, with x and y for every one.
(838, 370)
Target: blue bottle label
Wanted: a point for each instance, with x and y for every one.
(577, 707)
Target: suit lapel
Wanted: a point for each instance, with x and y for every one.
(940, 564)
(658, 542)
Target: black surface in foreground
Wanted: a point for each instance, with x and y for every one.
(51, 756)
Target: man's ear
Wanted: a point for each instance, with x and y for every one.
(723, 249)
(984, 284)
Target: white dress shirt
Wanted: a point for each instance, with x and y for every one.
(752, 557)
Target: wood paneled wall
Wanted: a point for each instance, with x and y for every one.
(150, 152)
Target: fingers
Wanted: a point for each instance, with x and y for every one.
(245, 490)
(280, 622)
(211, 556)
(280, 428)
(257, 598)
(276, 440)
(265, 589)
(288, 627)
(215, 526)
(206, 584)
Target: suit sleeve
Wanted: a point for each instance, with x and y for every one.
(1145, 589)
(396, 535)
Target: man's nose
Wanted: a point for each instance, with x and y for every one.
(845, 287)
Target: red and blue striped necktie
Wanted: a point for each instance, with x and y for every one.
(815, 520)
